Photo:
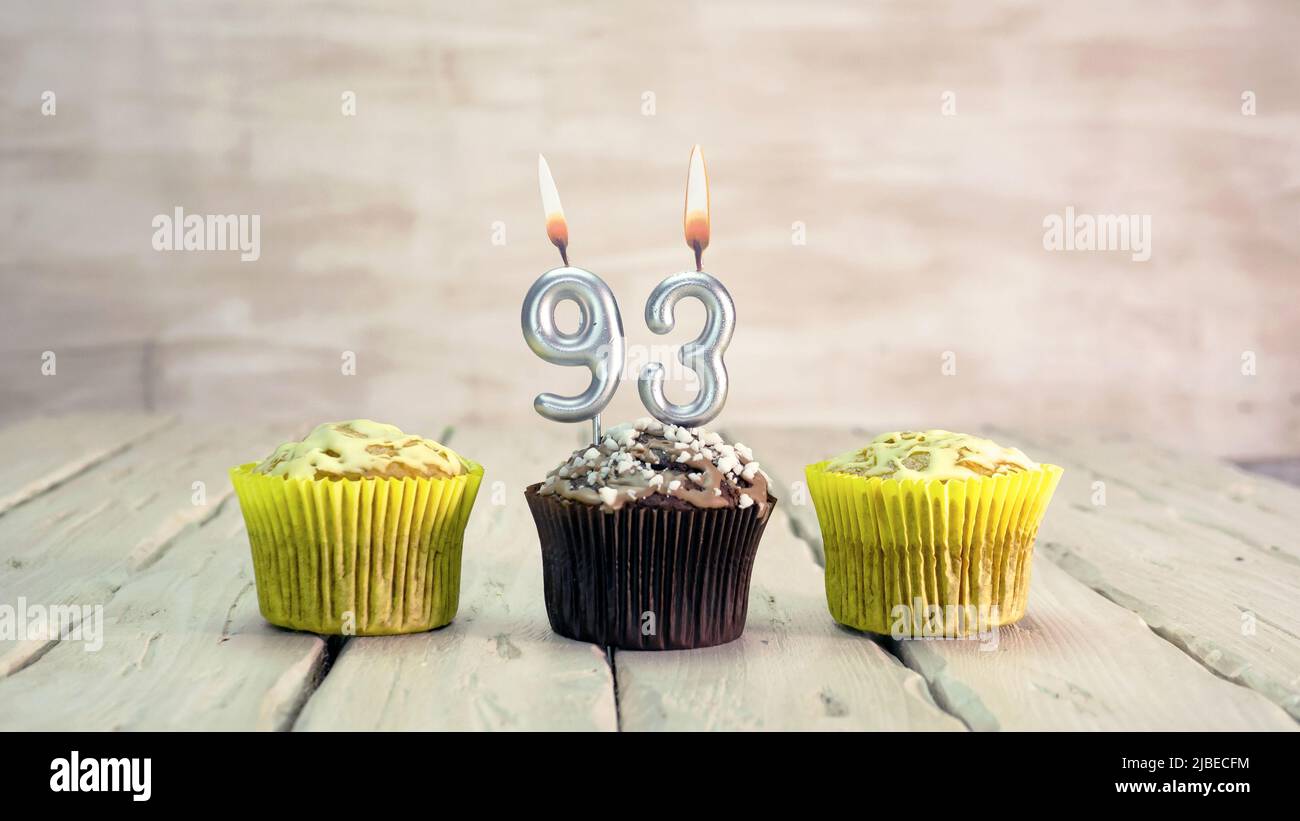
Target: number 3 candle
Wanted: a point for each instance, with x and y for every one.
(704, 354)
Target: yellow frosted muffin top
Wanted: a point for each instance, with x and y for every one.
(931, 454)
(361, 449)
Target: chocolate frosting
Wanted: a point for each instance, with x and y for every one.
(647, 459)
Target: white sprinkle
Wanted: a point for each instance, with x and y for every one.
(711, 438)
(728, 463)
(591, 454)
(656, 480)
(673, 485)
(608, 495)
(748, 473)
(717, 491)
(744, 501)
(683, 435)
(744, 451)
(684, 456)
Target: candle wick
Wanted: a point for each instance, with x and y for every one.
(699, 253)
(564, 255)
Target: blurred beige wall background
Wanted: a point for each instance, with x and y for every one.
(924, 230)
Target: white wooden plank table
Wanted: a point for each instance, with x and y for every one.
(1173, 605)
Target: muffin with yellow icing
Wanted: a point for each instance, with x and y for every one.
(929, 532)
(358, 529)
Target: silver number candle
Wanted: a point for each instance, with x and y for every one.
(703, 355)
(597, 344)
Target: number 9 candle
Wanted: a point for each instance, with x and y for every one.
(598, 343)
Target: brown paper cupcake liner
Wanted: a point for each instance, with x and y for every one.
(646, 578)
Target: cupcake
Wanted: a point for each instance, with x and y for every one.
(929, 532)
(648, 539)
(357, 529)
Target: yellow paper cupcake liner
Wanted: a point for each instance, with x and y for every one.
(914, 557)
(366, 557)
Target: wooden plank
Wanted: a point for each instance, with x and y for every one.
(793, 669)
(183, 648)
(498, 665)
(1126, 676)
(167, 617)
(44, 452)
(1198, 566)
(1079, 662)
(1246, 512)
(79, 545)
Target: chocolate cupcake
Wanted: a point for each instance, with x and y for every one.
(648, 539)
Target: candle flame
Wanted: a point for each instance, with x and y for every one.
(557, 228)
(695, 222)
